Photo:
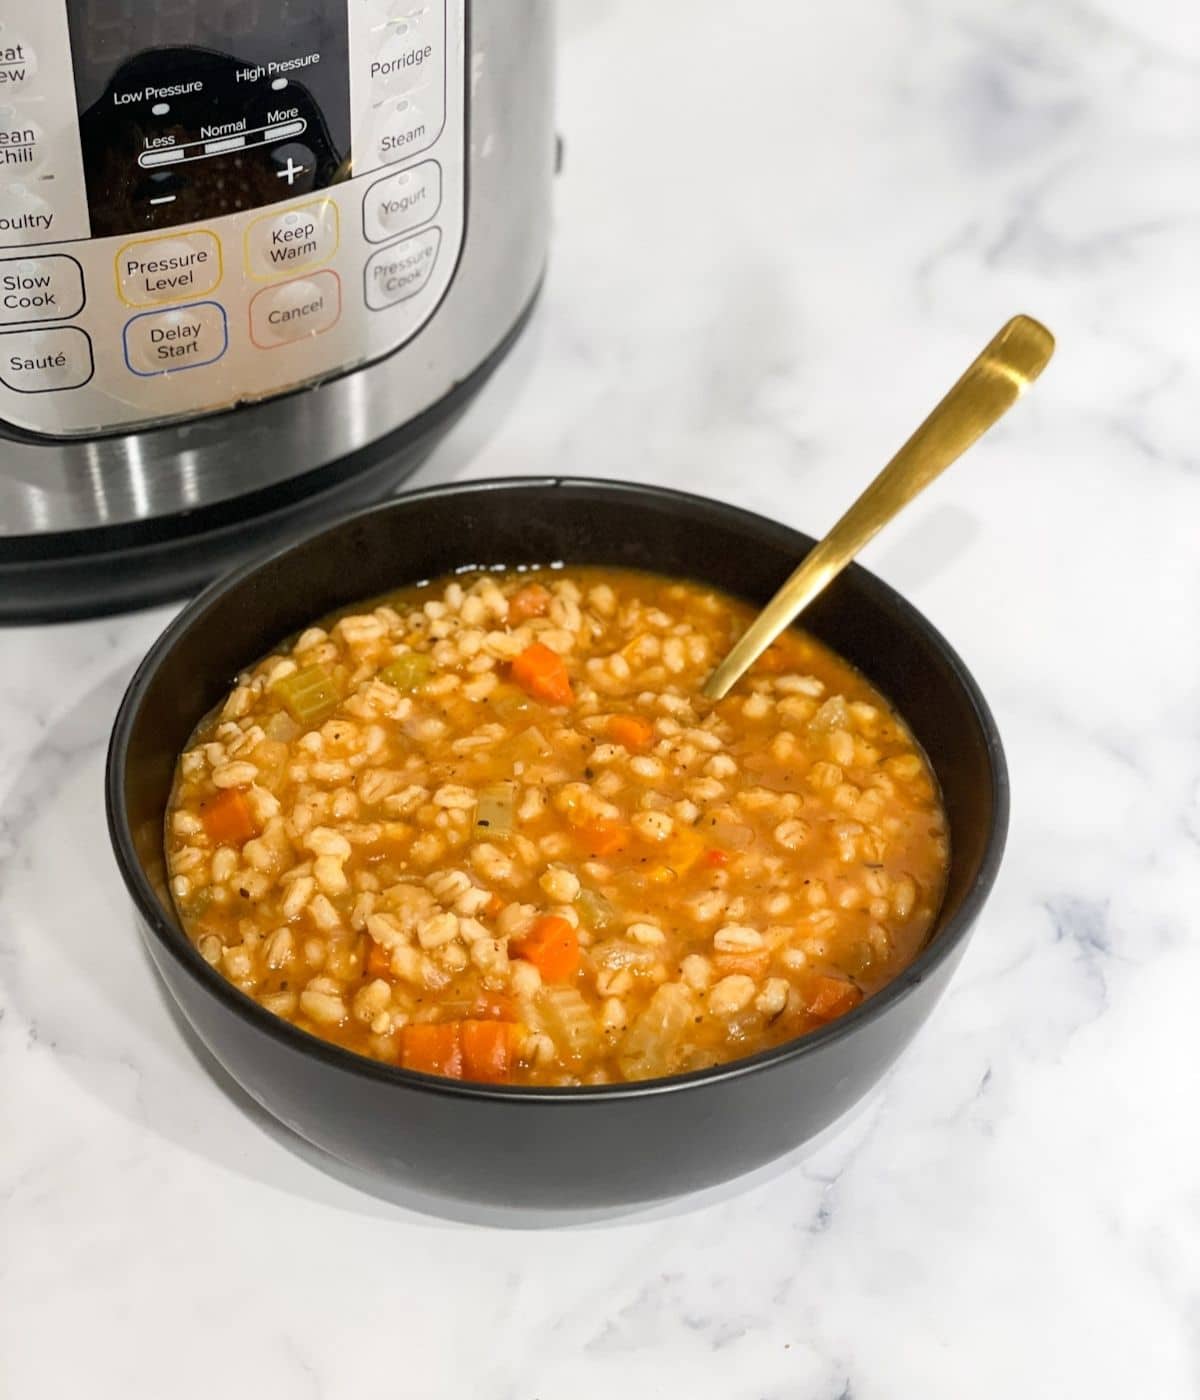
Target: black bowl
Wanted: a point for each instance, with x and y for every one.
(550, 1148)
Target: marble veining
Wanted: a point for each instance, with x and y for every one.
(781, 230)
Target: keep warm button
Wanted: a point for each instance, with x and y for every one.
(163, 342)
(295, 310)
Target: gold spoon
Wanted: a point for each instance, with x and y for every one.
(989, 388)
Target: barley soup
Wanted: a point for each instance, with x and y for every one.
(488, 828)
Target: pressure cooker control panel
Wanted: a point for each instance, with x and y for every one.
(212, 201)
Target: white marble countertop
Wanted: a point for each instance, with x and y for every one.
(782, 230)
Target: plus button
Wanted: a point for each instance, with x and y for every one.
(290, 171)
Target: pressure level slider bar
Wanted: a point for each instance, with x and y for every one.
(221, 145)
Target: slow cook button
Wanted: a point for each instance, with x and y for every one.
(304, 236)
(49, 288)
(399, 202)
(186, 337)
(151, 271)
(295, 310)
(38, 361)
(401, 271)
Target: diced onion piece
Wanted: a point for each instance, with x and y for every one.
(310, 695)
(408, 672)
(282, 727)
(651, 1044)
(595, 911)
(494, 811)
(568, 1021)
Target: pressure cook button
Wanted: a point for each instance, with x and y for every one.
(151, 271)
(401, 271)
(18, 65)
(186, 337)
(301, 237)
(49, 288)
(40, 361)
(401, 202)
(21, 143)
(295, 310)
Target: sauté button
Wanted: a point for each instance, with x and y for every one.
(39, 361)
(401, 271)
(399, 202)
(185, 337)
(151, 271)
(301, 237)
(49, 288)
(295, 310)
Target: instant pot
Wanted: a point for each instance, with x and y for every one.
(254, 259)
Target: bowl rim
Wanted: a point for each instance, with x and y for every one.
(171, 936)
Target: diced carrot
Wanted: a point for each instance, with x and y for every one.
(433, 1049)
(772, 661)
(493, 906)
(631, 731)
(828, 997)
(531, 601)
(379, 959)
(542, 673)
(750, 964)
(494, 1006)
(716, 857)
(228, 819)
(603, 837)
(552, 946)
(486, 1050)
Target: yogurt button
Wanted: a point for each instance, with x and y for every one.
(401, 202)
(295, 310)
(164, 342)
(401, 271)
(49, 288)
(39, 361)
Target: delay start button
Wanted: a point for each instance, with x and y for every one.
(295, 310)
(151, 271)
(186, 337)
(48, 288)
(40, 361)
(402, 270)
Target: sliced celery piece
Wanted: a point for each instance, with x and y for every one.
(408, 672)
(310, 695)
(494, 811)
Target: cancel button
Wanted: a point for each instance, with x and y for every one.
(295, 310)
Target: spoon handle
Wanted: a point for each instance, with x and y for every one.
(1011, 361)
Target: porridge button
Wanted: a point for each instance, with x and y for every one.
(186, 337)
(295, 310)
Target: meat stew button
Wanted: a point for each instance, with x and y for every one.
(295, 310)
(38, 361)
(186, 337)
(400, 271)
